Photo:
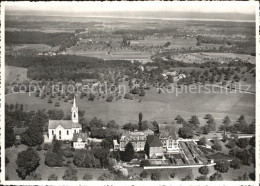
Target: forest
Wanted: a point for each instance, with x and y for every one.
(23, 37)
(60, 67)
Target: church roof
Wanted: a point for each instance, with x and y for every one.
(66, 124)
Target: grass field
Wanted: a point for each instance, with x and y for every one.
(160, 107)
(15, 74)
(119, 55)
(175, 42)
(37, 47)
(205, 56)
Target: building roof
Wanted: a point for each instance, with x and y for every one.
(154, 141)
(83, 136)
(130, 136)
(167, 130)
(66, 124)
(19, 131)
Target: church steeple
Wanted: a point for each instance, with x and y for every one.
(74, 112)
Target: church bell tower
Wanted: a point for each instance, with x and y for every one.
(74, 112)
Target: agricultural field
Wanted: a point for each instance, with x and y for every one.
(37, 47)
(113, 55)
(175, 42)
(17, 74)
(205, 56)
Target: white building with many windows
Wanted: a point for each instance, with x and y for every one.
(64, 129)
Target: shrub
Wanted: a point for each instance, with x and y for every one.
(222, 166)
(46, 146)
(156, 176)
(216, 177)
(39, 148)
(172, 175)
(57, 104)
(52, 177)
(68, 153)
(128, 96)
(235, 163)
(204, 170)
(87, 177)
(144, 163)
(144, 174)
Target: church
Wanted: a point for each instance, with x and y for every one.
(64, 129)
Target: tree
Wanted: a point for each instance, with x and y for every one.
(140, 120)
(204, 170)
(53, 177)
(34, 176)
(242, 142)
(244, 177)
(143, 125)
(202, 141)
(91, 97)
(222, 166)
(245, 156)
(142, 92)
(55, 114)
(27, 162)
(194, 121)
(216, 146)
(216, 177)
(9, 136)
(252, 141)
(156, 176)
(129, 152)
(185, 132)
(112, 124)
(235, 163)
(144, 163)
(34, 134)
(87, 177)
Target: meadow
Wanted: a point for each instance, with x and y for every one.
(15, 74)
(162, 107)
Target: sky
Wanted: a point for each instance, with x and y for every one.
(244, 7)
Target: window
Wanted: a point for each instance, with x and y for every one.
(67, 132)
(59, 132)
(52, 132)
(74, 131)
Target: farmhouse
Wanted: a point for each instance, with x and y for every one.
(64, 129)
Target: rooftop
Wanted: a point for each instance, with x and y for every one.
(66, 124)
(154, 141)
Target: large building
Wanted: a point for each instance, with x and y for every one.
(154, 147)
(169, 138)
(137, 139)
(64, 129)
